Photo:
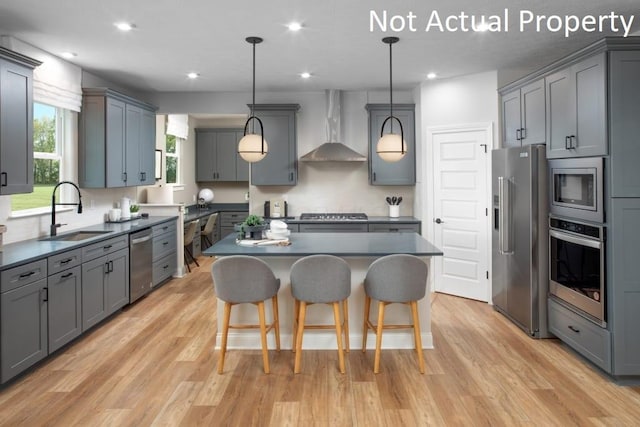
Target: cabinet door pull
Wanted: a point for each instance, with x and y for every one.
(523, 133)
(124, 177)
(45, 292)
(567, 144)
(110, 266)
(106, 267)
(518, 135)
(572, 140)
(25, 275)
(64, 276)
(374, 176)
(290, 176)
(574, 329)
(4, 179)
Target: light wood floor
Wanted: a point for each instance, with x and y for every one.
(154, 364)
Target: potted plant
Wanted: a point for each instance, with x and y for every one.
(134, 210)
(251, 228)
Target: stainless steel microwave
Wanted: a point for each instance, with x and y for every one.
(577, 188)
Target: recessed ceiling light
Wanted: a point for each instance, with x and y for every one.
(193, 75)
(432, 76)
(124, 26)
(305, 75)
(295, 26)
(68, 55)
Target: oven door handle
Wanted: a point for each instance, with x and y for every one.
(504, 216)
(577, 240)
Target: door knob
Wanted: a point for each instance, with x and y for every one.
(438, 221)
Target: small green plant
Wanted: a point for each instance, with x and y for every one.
(134, 208)
(252, 226)
(253, 220)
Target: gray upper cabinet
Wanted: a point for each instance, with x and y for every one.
(217, 156)
(523, 115)
(624, 126)
(402, 172)
(117, 140)
(577, 109)
(280, 166)
(16, 122)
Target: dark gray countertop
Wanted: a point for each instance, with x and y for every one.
(30, 250)
(339, 244)
(370, 220)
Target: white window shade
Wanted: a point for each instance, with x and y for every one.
(56, 82)
(178, 125)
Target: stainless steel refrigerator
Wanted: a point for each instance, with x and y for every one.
(519, 240)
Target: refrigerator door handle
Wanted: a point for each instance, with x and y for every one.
(504, 216)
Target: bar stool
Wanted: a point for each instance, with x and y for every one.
(208, 229)
(240, 279)
(189, 234)
(320, 279)
(398, 278)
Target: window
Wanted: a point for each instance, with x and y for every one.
(172, 159)
(48, 138)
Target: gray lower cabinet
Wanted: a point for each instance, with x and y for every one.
(402, 172)
(228, 220)
(334, 228)
(280, 166)
(64, 307)
(116, 144)
(623, 284)
(394, 228)
(523, 115)
(217, 156)
(576, 100)
(16, 122)
(164, 251)
(589, 339)
(23, 317)
(105, 279)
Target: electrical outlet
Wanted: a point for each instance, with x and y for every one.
(246, 195)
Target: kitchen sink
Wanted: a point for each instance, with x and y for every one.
(74, 236)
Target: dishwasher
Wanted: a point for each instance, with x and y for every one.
(140, 263)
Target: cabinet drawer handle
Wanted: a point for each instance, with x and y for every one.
(25, 275)
(64, 276)
(165, 266)
(107, 247)
(165, 243)
(574, 329)
(394, 229)
(66, 261)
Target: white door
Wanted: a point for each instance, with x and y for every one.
(460, 209)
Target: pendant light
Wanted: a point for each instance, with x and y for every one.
(391, 146)
(252, 147)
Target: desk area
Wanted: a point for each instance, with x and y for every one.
(359, 250)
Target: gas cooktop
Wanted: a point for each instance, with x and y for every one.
(334, 216)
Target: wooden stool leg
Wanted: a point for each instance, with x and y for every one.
(276, 320)
(416, 331)
(263, 336)
(345, 309)
(225, 331)
(301, 316)
(336, 317)
(376, 363)
(365, 328)
(296, 313)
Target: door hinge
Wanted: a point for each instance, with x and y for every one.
(487, 274)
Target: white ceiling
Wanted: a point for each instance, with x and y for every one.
(207, 36)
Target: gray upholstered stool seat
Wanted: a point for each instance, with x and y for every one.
(320, 279)
(208, 229)
(398, 278)
(242, 279)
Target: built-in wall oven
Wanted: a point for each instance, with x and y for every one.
(577, 188)
(577, 266)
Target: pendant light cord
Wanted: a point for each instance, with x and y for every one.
(253, 91)
(391, 84)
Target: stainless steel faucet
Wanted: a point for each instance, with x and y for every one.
(55, 226)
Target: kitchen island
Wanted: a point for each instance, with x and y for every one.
(359, 250)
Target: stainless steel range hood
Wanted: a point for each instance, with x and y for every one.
(333, 151)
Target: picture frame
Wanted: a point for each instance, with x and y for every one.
(158, 164)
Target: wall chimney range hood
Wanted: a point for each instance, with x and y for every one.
(333, 151)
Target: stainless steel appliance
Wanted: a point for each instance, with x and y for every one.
(577, 266)
(334, 216)
(140, 263)
(520, 237)
(576, 188)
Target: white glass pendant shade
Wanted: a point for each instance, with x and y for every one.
(250, 148)
(388, 147)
